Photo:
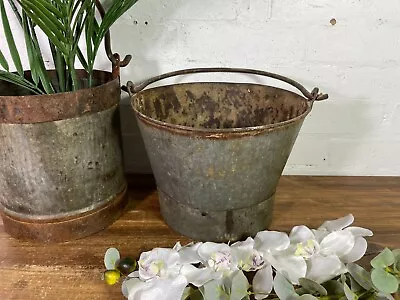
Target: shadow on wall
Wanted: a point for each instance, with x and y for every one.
(138, 33)
(328, 143)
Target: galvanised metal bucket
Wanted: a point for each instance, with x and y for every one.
(61, 174)
(217, 150)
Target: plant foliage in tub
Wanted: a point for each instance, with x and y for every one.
(65, 23)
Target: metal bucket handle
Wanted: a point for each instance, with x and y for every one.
(113, 57)
(314, 95)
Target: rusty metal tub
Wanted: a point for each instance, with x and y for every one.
(217, 150)
(61, 175)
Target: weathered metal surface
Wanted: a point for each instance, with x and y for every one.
(17, 107)
(217, 151)
(63, 179)
(59, 169)
(65, 229)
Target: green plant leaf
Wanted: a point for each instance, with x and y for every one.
(111, 258)
(117, 9)
(383, 281)
(10, 39)
(396, 254)
(360, 275)
(39, 63)
(51, 8)
(44, 14)
(196, 295)
(29, 49)
(383, 296)
(56, 37)
(240, 285)
(383, 259)
(15, 10)
(18, 80)
(283, 288)
(3, 62)
(213, 290)
(354, 286)
(313, 287)
(350, 295)
(334, 287)
(307, 297)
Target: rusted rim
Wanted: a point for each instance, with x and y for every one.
(46, 108)
(66, 229)
(215, 132)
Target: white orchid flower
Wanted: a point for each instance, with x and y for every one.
(360, 245)
(216, 260)
(246, 256)
(275, 248)
(322, 258)
(188, 254)
(159, 262)
(250, 259)
(154, 289)
(217, 257)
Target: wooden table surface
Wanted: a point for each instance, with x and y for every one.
(73, 270)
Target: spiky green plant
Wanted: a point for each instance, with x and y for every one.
(65, 23)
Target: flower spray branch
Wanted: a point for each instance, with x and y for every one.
(307, 264)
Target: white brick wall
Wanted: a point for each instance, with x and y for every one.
(356, 61)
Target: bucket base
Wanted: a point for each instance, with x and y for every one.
(65, 229)
(216, 226)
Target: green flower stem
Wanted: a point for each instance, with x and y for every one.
(392, 271)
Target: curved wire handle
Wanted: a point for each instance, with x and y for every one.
(314, 95)
(113, 57)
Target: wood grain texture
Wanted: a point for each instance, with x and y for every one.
(73, 270)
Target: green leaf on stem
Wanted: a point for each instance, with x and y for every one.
(313, 287)
(360, 275)
(383, 259)
(3, 62)
(10, 39)
(384, 281)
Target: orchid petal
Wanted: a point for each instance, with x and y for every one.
(246, 257)
(189, 254)
(290, 266)
(320, 234)
(271, 241)
(262, 282)
(217, 256)
(337, 243)
(157, 289)
(207, 249)
(159, 262)
(134, 274)
(338, 224)
(133, 287)
(359, 231)
(129, 284)
(300, 234)
(246, 245)
(324, 268)
(358, 251)
(196, 276)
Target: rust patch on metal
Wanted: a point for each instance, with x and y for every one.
(219, 110)
(60, 230)
(19, 107)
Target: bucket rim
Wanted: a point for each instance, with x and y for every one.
(30, 109)
(237, 130)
